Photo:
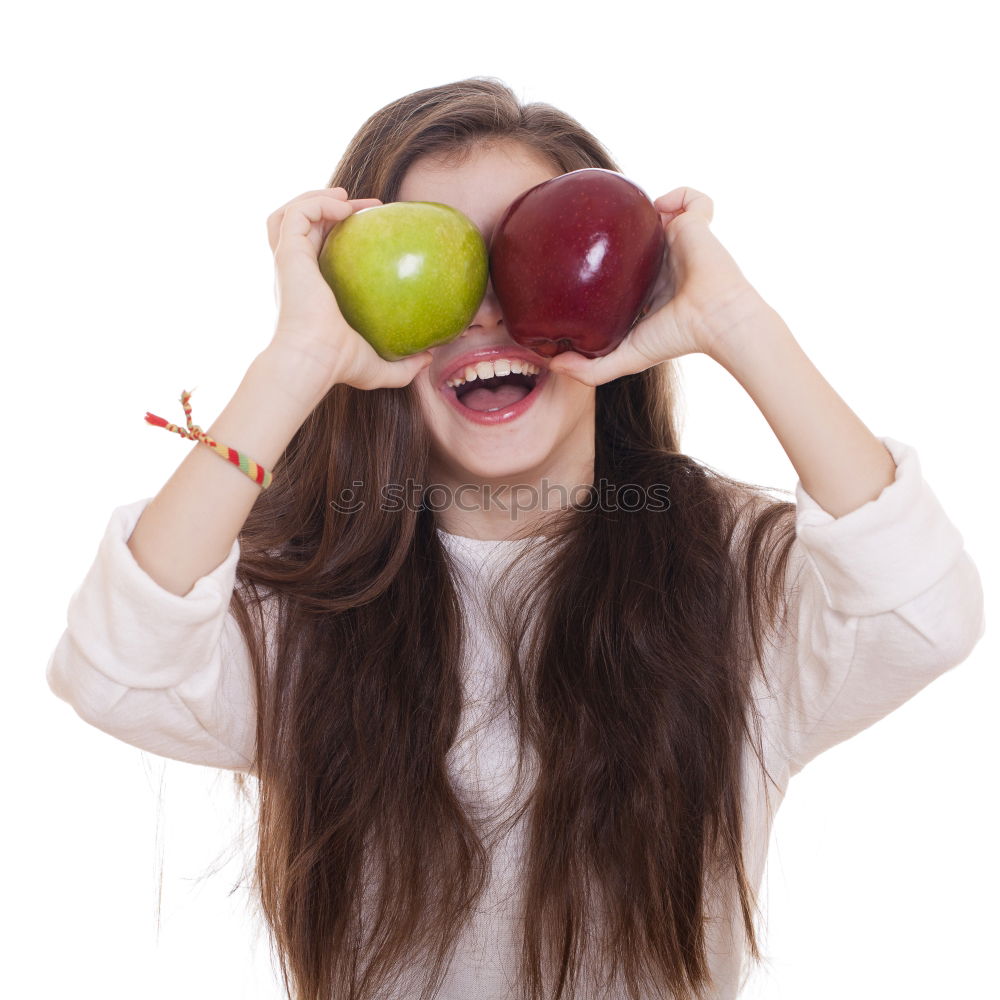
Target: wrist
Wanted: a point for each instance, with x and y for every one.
(296, 376)
(732, 327)
(750, 341)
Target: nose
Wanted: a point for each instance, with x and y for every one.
(488, 316)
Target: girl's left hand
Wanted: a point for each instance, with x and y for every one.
(699, 294)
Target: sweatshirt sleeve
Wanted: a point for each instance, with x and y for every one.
(164, 673)
(885, 599)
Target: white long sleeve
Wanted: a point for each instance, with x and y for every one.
(887, 600)
(165, 673)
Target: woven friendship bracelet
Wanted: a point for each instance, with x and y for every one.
(256, 472)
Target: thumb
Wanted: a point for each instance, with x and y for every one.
(404, 371)
(625, 359)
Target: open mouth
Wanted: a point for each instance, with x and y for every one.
(498, 392)
(495, 390)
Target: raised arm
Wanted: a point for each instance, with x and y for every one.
(150, 654)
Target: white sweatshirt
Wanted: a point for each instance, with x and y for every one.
(887, 601)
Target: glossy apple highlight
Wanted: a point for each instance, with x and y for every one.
(574, 261)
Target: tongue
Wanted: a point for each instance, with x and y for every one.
(491, 399)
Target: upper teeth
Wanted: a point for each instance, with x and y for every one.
(489, 369)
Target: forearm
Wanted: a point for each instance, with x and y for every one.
(839, 461)
(188, 528)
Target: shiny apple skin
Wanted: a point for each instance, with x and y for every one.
(407, 275)
(574, 261)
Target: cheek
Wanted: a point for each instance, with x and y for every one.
(574, 396)
(424, 394)
(429, 405)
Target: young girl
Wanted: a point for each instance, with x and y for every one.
(516, 726)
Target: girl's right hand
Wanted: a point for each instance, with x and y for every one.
(310, 325)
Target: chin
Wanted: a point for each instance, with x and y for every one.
(509, 462)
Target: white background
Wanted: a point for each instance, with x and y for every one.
(851, 153)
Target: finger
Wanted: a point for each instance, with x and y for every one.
(274, 219)
(338, 193)
(403, 372)
(623, 360)
(685, 199)
(300, 220)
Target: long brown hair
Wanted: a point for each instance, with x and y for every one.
(631, 648)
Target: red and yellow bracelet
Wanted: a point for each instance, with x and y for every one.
(256, 472)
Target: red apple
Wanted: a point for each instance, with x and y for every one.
(574, 260)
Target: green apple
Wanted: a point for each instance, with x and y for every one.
(407, 275)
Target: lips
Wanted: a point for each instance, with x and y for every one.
(465, 366)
